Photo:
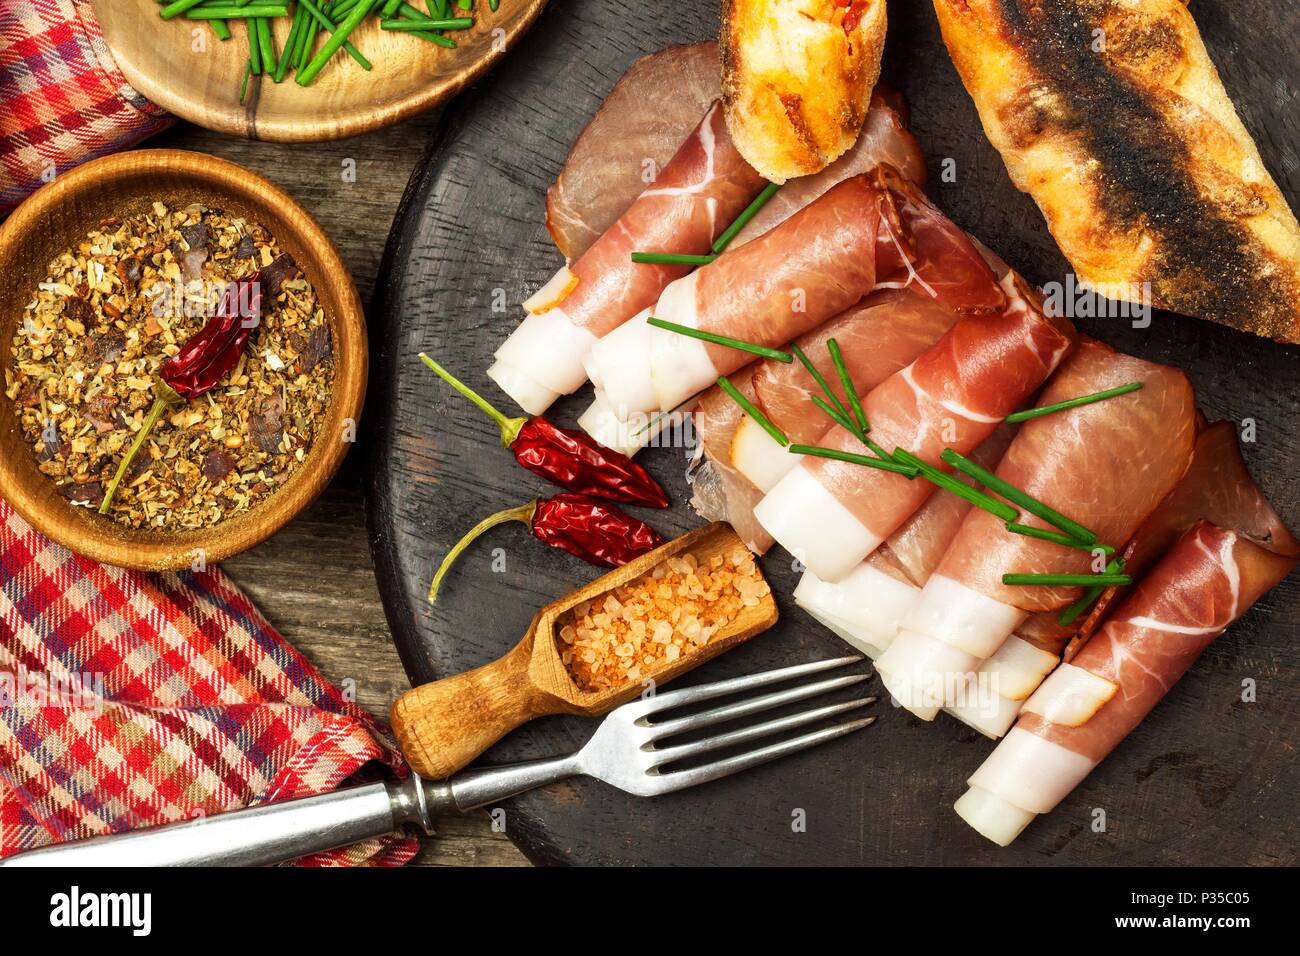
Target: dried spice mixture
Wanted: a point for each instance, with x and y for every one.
(111, 311)
(652, 621)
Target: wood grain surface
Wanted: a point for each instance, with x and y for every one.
(182, 66)
(314, 580)
(1206, 779)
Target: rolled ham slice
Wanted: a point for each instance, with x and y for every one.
(867, 607)
(694, 197)
(832, 514)
(1207, 580)
(788, 281)
(878, 336)
(1216, 487)
(1106, 465)
(635, 131)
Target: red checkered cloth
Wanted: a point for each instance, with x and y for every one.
(62, 98)
(131, 699)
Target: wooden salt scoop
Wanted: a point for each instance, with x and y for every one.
(444, 725)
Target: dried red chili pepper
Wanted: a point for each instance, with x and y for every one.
(202, 362)
(569, 458)
(598, 533)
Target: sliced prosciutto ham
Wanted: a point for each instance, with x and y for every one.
(775, 288)
(1106, 465)
(1207, 580)
(832, 514)
(867, 607)
(1216, 487)
(878, 336)
(635, 132)
(695, 196)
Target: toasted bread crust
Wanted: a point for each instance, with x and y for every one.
(1112, 116)
(797, 77)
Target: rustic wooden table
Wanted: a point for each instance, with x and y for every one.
(314, 580)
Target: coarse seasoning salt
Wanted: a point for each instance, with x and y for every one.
(648, 623)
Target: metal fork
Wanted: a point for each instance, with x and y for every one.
(632, 749)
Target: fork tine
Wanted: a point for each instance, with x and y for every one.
(679, 780)
(752, 705)
(777, 725)
(692, 695)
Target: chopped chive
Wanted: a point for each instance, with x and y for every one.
(232, 12)
(884, 464)
(876, 448)
(389, 8)
(177, 8)
(847, 381)
(320, 17)
(1067, 580)
(243, 87)
(1071, 613)
(671, 259)
(958, 488)
(752, 411)
(266, 41)
(412, 26)
(1016, 496)
(1044, 534)
(465, 4)
(221, 29)
(1029, 413)
(750, 211)
(336, 40)
(818, 378)
(254, 49)
(725, 340)
(493, 4)
(300, 20)
(838, 418)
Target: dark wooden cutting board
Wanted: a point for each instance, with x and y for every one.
(1206, 779)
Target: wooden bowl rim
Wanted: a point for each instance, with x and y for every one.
(146, 550)
(245, 122)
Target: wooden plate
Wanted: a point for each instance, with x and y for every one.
(1207, 779)
(181, 66)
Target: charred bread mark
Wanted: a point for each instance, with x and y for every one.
(1113, 117)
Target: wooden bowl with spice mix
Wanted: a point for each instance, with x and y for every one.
(184, 359)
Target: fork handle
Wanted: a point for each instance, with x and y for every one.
(471, 789)
(262, 835)
(444, 725)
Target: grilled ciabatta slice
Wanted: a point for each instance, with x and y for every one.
(797, 78)
(1112, 116)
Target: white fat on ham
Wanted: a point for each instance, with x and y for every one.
(924, 674)
(813, 526)
(602, 422)
(1070, 696)
(1030, 771)
(866, 607)
(951, 630)
(680, 365)
(760, 457)
(1005, 680)
(992, 817)
(542, 359)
